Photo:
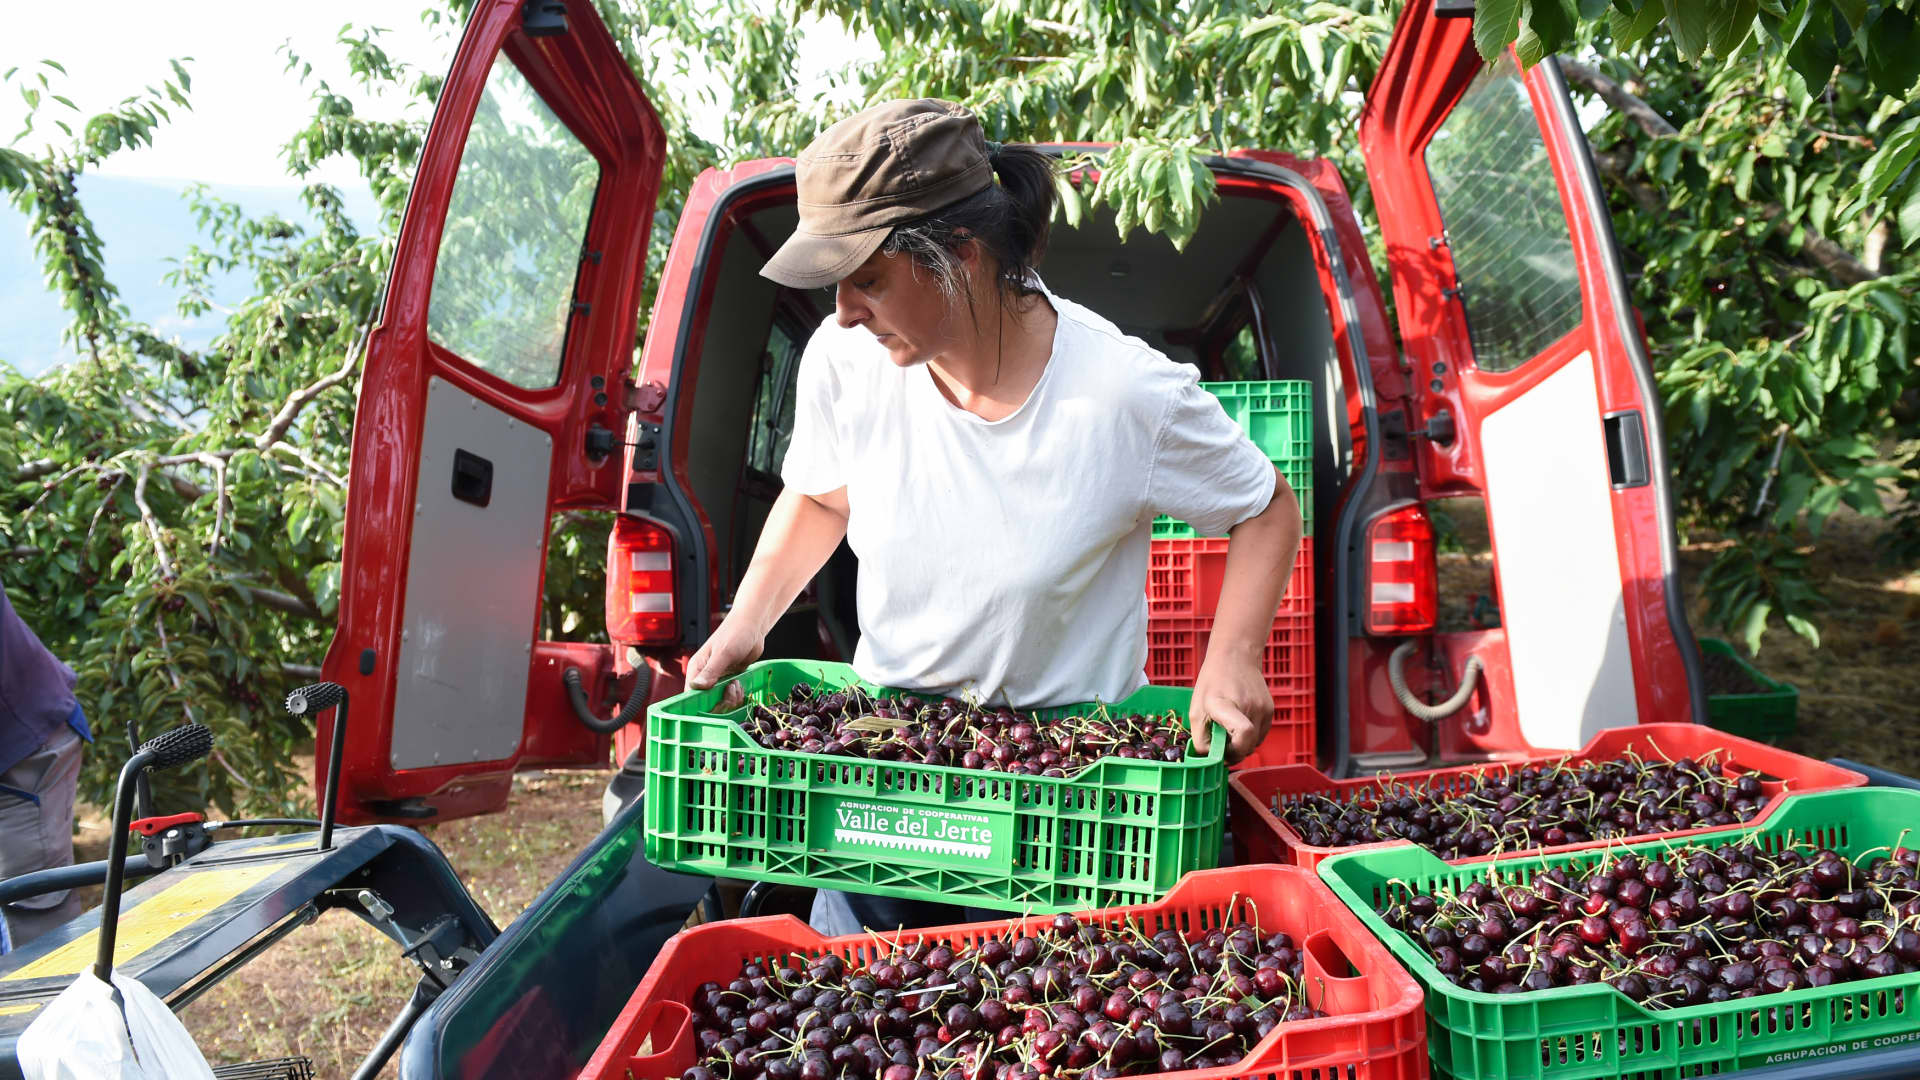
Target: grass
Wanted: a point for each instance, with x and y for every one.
(329, 990)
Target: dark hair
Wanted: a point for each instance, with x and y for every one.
(1009, 220)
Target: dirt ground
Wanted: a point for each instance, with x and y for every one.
(1859, 691)
(329, 990)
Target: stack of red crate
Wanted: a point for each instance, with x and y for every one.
(1183, 593)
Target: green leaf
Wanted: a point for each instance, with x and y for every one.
(1805, 629)
(1552, 24)
(1892, 48)
(1810, 47)
(1908, 216)
(1890, 162)
(1690, 22)
(1794, 490)
(1632, 29)
(1811, 391)
(1731, 24)
(1530, 48)
(1756, 625)
(1496, 23)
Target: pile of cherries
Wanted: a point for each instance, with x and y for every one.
(1699, 924)
(1535, 806)
(1074, 1001)
(943, 731)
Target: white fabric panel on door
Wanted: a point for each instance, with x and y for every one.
(1558, 560)
(473, 587)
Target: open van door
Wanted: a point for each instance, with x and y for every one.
(495, 385)
(1530, 382)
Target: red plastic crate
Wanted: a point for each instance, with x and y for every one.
(1184, 576)
(1263, 837)
(1177, 644)
(1377, 1029)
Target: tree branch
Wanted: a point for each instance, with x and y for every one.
(34, 470)
(1617, 96)
(1837, 261)
(152, 524)
(1617, 166)
(280, 601)
(1822, 252)
(1878, 238)
(1060, 28)
(219, 466)
(290, 409)
(23, 551)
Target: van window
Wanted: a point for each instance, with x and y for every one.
(503, 286)
(1240, 360)
(773, 402)
(1505, 225)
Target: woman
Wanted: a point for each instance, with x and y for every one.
(993, 453)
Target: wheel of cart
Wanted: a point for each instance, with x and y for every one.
(205, 905)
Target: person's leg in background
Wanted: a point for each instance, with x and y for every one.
(36, 830)
(837, 914)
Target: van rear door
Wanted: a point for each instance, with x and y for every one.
(494, 394)
(1531, 384)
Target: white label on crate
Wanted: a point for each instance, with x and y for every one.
(1853, 1046)
(911, 829)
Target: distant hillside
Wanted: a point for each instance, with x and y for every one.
(146, 224)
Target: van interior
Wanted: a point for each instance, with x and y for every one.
(1242, 301)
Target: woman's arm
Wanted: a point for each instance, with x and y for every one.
(801, 533)
(1231, 689)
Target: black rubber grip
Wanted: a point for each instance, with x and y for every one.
(309, 700)
(188, 742)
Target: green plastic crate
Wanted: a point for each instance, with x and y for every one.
(1122, 831)
(1278, 416)
(1769, 714)
(1597, 1033)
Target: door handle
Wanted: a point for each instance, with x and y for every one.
(472, 478)
(1627, 450)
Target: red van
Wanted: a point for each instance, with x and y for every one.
(503, 389)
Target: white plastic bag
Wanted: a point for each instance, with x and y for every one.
(80, 1036)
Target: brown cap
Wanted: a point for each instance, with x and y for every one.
(878, 168)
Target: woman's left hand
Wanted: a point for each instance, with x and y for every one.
(1232, 693)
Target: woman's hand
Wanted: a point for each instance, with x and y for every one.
(727, 653)
(1231, 692)
(801, 531)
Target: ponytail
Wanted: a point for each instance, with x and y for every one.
(1009, 219)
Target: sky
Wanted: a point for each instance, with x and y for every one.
(244, 106)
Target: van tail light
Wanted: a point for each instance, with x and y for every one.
(1402, 582)
(640, 609)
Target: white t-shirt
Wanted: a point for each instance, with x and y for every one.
(1008, 558)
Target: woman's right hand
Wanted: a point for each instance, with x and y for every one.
(727, 653)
